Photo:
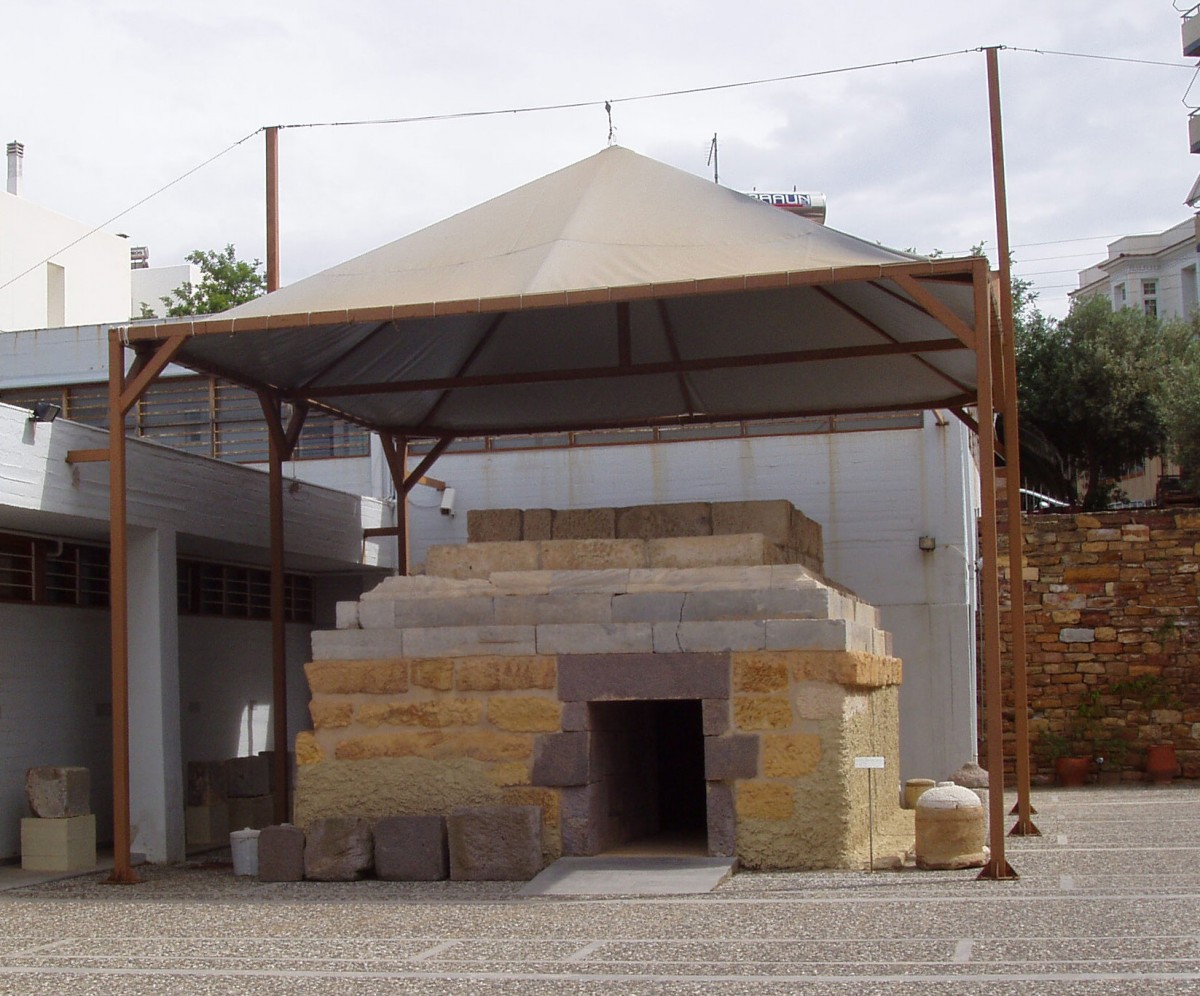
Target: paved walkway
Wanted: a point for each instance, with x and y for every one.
(1108, 901)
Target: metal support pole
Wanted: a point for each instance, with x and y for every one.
(122, 872)
(1012, 462)
(281, 768)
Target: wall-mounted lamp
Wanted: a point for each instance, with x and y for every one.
(45, 411)
(927, 544)
(447, 501)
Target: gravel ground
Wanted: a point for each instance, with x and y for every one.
(1108, 901)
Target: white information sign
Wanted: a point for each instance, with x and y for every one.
(868, 762)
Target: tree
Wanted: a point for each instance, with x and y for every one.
(1093, 384)
(1181, 398)
(226, 281)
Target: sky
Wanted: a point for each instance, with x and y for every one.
(116, 99)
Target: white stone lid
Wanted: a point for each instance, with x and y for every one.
(947, 795)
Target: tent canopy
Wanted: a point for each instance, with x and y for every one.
(617, 291)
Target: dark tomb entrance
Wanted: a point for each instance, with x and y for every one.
(650, 759)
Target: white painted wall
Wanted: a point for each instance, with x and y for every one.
(95, 276)
(150, 285)
(874, 493)
(55, 707)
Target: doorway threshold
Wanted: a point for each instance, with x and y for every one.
(631, 875)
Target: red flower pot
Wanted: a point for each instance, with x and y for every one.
(1072, 772)
(1161, 763)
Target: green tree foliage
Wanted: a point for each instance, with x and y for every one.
(225, 281)
(1094, 385)
(1180, 397)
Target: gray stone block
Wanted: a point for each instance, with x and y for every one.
(724, 634)
(58, 792)
(772, 518)
(576, 716)
(252, 812)
(281, 854)
(595, 638)
(715, 717)
(722, 822)
(592, 677)
(205, 783)
(561, 759)
(411, 849)
(338, 849)
(495, 843)
(726, 758)
(647, 606)
(559, 607)
(582, 818)
(247, 777)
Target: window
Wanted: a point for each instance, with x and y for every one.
(202, 416)
(46, 571)
(238, 592)
(1150, 297)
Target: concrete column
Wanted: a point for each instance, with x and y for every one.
(155, 750)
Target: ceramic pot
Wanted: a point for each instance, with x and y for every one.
(1161, 763)
(1072, 772)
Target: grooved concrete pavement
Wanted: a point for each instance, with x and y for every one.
(1108, 901)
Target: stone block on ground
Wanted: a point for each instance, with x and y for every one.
(206, 826)
(773, 519)
(562, 759)
(537, 524)
(338, 849)
(739, 550)
(246, 777)
(205, 783)
(583, 523)
(58, 844)
(58, 792)
(281, 854)
(411, 849)
(495, 843)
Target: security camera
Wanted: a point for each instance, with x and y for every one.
(448, 501)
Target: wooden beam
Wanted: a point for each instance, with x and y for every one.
(118, 600)
(148, 369)
(395, 452)
(935, 308)
(1024, 826)
(87, 456)
(713, 363)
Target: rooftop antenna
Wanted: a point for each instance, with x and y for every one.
(712, 158)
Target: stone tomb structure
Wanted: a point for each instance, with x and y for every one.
(713, 688)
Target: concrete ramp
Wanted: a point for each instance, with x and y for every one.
(630, 876)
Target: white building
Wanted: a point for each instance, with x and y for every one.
(1154, 273)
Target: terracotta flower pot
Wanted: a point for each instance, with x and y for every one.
(1161, 763)
(1072, 772)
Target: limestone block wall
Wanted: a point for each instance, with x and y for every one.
(795, 536)
(483, 685)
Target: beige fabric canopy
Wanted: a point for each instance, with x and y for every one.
(617, 291)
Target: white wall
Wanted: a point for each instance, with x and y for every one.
(95, 276)
(55, 707)
(874, 493)
(150, 285)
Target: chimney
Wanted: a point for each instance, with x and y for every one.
(16, 155)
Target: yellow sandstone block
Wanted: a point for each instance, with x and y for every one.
(759, 673)
(430, 713)
(509, 773)
(436, 673)
(764, 801)
(490, 674)
(372, 677)
(754, 713)
(330, 713)
(480, 745)
(842, 667)
(790, 755)
(523, 714)
(527, 795)
(308, 751)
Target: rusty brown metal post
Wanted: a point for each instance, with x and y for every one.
(1012, 462)
(997, 867)
(119, 611)
(272, 138)
(281, 769)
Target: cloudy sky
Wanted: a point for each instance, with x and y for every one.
(116, 98)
